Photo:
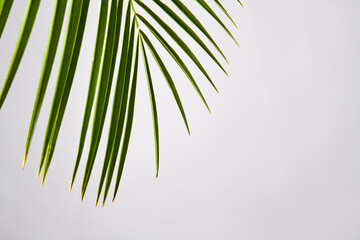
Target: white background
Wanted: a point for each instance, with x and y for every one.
(278, 158)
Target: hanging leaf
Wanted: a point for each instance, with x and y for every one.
(126, 36)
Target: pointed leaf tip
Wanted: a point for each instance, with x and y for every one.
(97, 200)
(23, 165)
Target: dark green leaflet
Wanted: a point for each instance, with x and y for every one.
(68, 49)
(240, 3)
(117, 37)
(197, 23)
(119, 106)
(5, 7)
(153, 107)
(167, 77)
(26, 28)
(226, 13)
(176, 58)
(178, 40)
(69, 81)
(51, 48)
(181, 23)
(103, 97)
(213, 14)
(129, 121)
(99, 45)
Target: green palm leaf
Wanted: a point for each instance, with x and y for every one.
(177, 39)
(119, 107)
(28, 22)
(182, 24)
(103, 96)
(53, 40)
(175, 56)
(198, 24)
(5, 7)
(129, 121)
(92, 82)
(224, 11)
(213, 14)
(116, 35)
(153, 108)
(69, 81)
(167, 77)
(68, 63)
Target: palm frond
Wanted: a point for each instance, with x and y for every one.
(128, 36)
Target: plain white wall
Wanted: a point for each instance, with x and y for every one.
(278, 158)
